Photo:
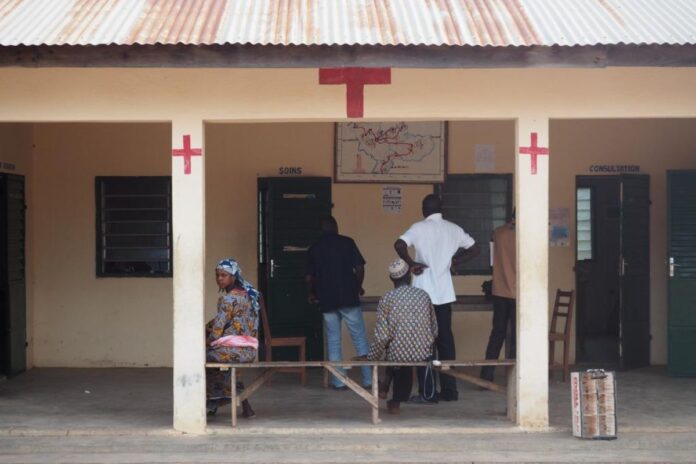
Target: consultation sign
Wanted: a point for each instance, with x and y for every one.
(615, 168)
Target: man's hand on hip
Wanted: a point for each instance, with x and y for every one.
(418, 268)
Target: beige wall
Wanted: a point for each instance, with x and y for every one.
(15, 147)
(262, 95)
(262, 148)
(80, 320)
(655, 145)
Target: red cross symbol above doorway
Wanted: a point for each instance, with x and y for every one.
(187, 152)
(534, 151)
(355, 80)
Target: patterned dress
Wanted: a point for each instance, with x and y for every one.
(406, 326)
(235, 316)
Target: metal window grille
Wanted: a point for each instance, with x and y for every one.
(478, 203)
(134, 226)
(584, 223)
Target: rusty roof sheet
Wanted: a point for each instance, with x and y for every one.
(348, 22)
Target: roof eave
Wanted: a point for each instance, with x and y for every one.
(272, 56)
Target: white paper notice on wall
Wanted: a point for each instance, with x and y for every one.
(485, 158)
(559, 219)
(391, 199)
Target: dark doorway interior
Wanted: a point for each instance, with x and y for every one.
(596, 270)
(290, 214)
(613, 271)
(12, 276)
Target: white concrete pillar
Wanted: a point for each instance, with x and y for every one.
(188, 217)
(532, 195)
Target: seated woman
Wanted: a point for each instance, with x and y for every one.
(232, 335)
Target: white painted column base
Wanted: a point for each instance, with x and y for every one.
(188, 218)
(532, 195)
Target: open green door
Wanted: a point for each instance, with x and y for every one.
(681, 280)
(290, 214)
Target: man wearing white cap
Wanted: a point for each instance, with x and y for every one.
(439, 245)
(405, 332)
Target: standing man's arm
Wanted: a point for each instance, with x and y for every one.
(360, 277)
(468, 248)
(358, 268)
(466, 254)
(401, 248)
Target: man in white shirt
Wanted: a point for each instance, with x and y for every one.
(439, 244)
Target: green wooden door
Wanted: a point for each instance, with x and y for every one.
(290, 213)
(13, 332)
(681, 280)
(634, 271)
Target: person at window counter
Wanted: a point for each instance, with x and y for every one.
(439, 245)
(334, 277)
(504, 294)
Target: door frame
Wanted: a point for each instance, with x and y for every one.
(593, 212)
(265, 255)
(618, 178)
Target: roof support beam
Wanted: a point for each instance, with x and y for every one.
(257, 56)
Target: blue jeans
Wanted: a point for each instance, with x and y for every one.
(356, 326)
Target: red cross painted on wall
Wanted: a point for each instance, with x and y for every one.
(355, 80)
(187, 152)
(534, 150)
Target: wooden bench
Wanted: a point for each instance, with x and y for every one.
(449, 367)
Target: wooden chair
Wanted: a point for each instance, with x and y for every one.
(562, 308)
(271, 342)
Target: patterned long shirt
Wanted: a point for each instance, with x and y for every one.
(406, 326)
(234, 317)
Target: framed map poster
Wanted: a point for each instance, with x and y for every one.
(386, 152)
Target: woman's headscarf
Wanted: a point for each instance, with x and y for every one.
(231, 267)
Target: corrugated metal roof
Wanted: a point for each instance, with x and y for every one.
(348, 22)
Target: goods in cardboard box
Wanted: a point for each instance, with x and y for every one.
(593, 401)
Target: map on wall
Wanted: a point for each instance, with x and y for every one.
(391, 152)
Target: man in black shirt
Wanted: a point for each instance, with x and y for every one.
(335, 273)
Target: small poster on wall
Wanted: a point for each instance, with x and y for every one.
(400, 151)
(391, 199)
(559, 219)
(484, 156)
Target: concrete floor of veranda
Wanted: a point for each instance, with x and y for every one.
(139, 401)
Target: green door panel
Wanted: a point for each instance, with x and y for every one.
(682, 352)
(682, 296)
(290, 214)
(681, 270)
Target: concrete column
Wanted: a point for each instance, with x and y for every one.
(188, 217)
(532, 195)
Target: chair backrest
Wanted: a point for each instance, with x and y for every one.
(264, 321)
(563, 307)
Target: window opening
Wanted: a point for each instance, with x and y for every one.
(583, 223)
(478, 203)
(134, 226)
